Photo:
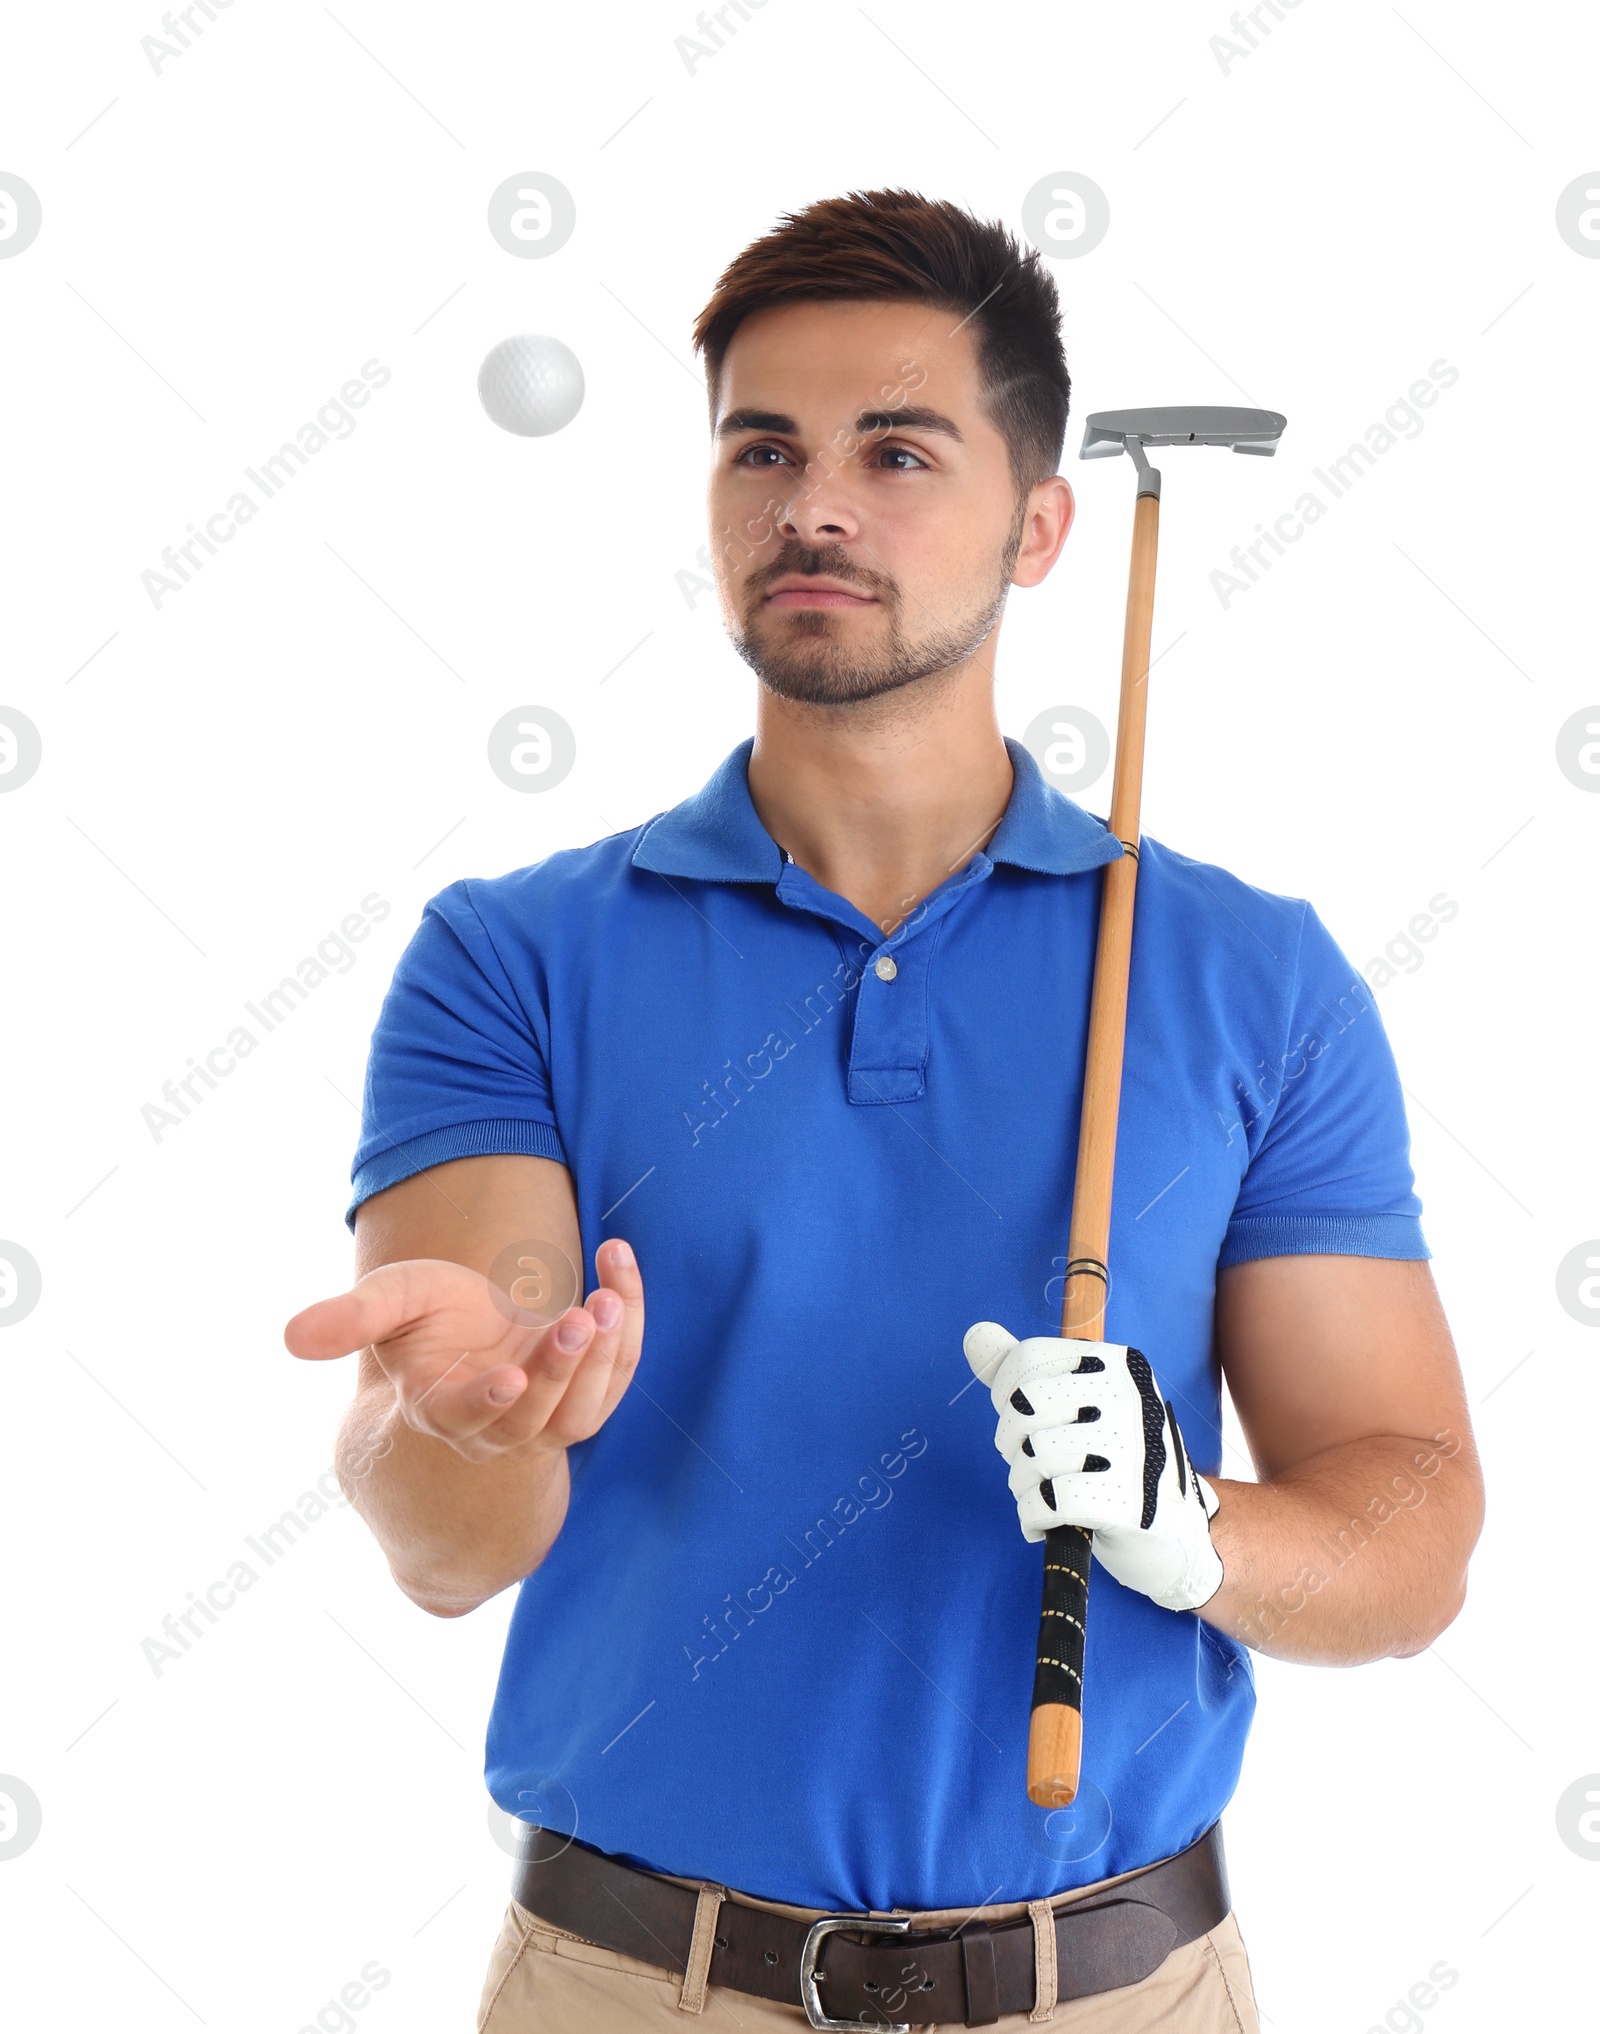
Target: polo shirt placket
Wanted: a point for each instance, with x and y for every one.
(890, 977)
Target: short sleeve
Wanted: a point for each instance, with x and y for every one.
(458, 1062)
(1331, 1172)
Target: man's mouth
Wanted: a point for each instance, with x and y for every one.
(816, 593)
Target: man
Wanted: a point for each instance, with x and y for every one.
(813, 1040)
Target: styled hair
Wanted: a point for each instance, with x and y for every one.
(898, 244)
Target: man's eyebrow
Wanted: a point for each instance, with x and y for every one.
(910, 417)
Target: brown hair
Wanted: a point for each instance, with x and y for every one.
(898, 244)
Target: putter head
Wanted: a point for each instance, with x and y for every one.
(1108, 432)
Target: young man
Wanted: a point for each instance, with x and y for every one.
(813, 1040)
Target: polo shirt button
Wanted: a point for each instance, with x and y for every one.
(885, 969)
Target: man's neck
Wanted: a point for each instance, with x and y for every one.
(882, 802)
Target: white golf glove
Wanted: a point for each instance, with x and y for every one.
(1090, 1443)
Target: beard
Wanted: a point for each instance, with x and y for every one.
(803, 659)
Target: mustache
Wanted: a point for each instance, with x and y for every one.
(817, 565)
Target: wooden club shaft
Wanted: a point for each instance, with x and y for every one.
(1055, 1733)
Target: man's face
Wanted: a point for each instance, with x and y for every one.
(864, 520)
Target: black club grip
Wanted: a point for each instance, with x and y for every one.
(1055, 1736)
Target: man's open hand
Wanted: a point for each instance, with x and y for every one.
(465, 1372)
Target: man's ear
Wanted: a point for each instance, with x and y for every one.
(1046, 522)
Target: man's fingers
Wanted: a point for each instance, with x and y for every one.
(1079, 1407)
(577, 1414)
(377, 1307)
(1081, 1499)
(601, 1374)
(330, 1327)
(466, 1404)
(547, 1371)
(1063, 1451)
(1026, 1365)
(987, 1345)
(607, 1365)
(462, 1402)
(617, 1268)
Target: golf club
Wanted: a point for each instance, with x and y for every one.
(1055, 1733)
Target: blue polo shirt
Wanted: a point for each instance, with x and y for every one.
(785, 1639)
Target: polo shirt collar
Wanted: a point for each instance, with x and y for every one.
(1045, 830)
(716, 836)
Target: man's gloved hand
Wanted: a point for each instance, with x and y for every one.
(1091, 1444)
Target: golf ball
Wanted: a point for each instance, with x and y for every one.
(531, 384)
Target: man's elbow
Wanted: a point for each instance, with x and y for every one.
(1448, 1598)
(1443, 1604)
(1438, 1615)
(445, 1606)
(456, 1596)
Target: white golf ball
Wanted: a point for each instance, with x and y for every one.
(531, 384)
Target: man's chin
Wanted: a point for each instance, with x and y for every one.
(814, 670)
(808, 685)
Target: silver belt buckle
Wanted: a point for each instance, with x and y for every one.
(809, 1974)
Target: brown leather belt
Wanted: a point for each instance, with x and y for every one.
(969, 1975)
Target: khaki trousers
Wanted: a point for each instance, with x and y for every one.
(543, 1980)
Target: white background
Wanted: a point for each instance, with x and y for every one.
(224, 243)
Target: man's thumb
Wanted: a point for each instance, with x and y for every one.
(987, 1345)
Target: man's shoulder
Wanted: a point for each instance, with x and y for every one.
(1212, 900)
(1228, 944)
(566, 880)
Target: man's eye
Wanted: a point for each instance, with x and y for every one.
(752, 457)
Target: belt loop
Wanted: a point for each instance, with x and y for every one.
(1043, 1918)
(692, 1998)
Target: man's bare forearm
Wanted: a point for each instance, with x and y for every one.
(455, 1532)
(1358, 1554)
